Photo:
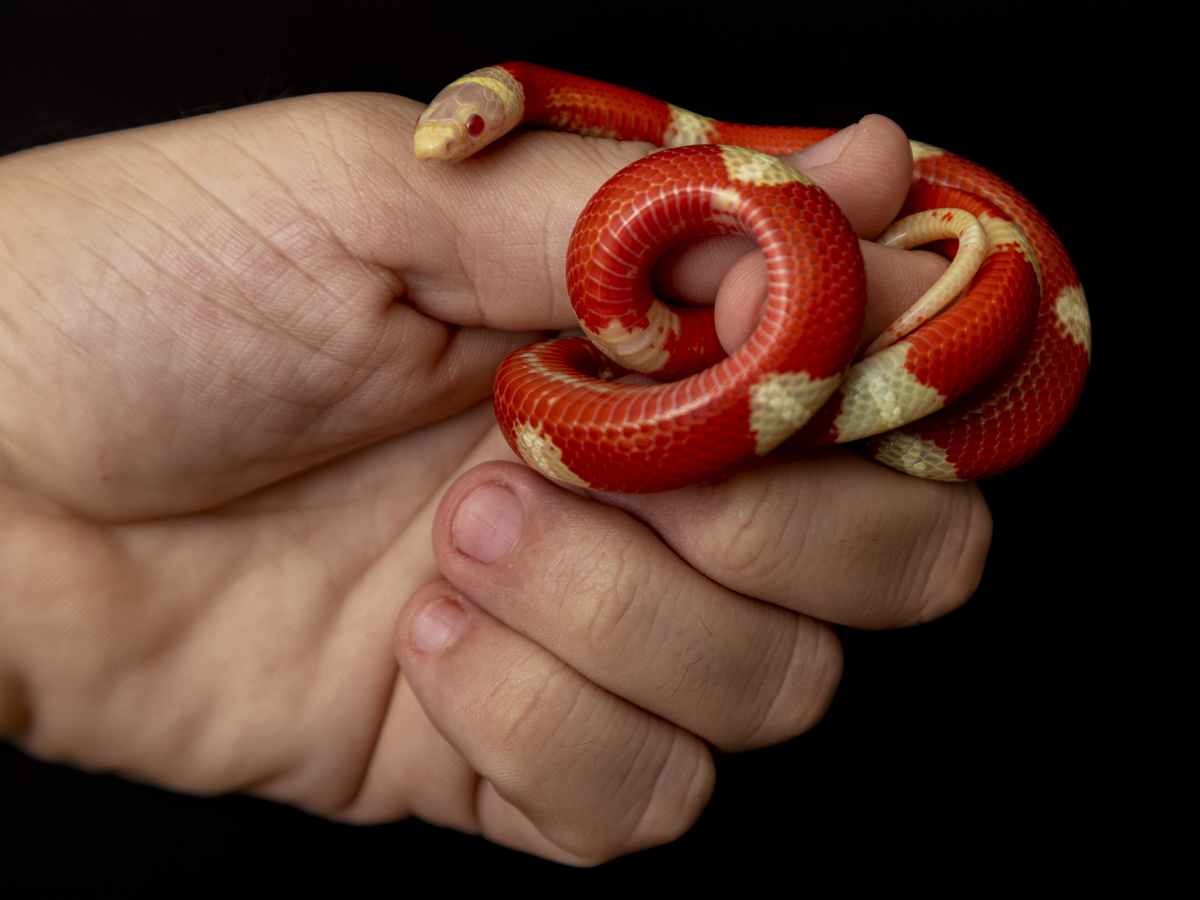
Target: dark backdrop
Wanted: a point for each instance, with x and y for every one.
(983, 739)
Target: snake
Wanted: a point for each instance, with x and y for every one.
(978, 377)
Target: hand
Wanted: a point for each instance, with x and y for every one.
(246, 361)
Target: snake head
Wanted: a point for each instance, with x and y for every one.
(469, 114)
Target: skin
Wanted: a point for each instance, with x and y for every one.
(258, 532)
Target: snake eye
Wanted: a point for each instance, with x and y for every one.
(475, 125)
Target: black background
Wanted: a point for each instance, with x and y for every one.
(990, 739)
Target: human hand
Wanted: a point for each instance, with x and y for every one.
(247, 360)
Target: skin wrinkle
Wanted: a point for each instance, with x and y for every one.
(440, 215)
(853, 551)
(198, 242)
(408, 321)
(85, 193)
(692, 658)
(184, 289)
(10, 321)
(410, 375)
(782, 714)
(257, 239)
(761, 681)
(545, 709)
(355, 180)
(754, 684)
(63, 326)
(545, 817)
(847, 542)
(289, 257)
(908, 599)
(425, 290)
(487, 270)
(692, 798)
(291, 333)
(774, 677)
(457, 190)
(744, 550)
(624, 789)
(84, 246)
(630, 583)
(740, 549)
(536, 707)
(949, 593)
(664, 622)
(700, 658)
(648, 740)
(892, 595)
(468, 432)
(330, 254)
(328, 132)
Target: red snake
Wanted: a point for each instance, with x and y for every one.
(966, 394)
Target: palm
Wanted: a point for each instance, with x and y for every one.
(243, 437)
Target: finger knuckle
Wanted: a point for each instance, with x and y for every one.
(747, 526)
(789, 689)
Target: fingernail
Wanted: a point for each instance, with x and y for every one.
(438, 625)
(488, 523)
(828, 150)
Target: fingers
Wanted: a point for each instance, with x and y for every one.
(590, 662)
(497, 225)
(501, 225)
(831, 535)
(896, 279)
(866, 168)
(570, 771)
(502, 221)
(597, 647)
(602, 592)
